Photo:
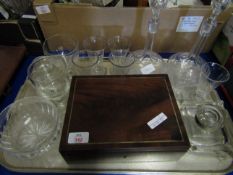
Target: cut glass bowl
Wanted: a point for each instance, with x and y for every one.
(28, 127)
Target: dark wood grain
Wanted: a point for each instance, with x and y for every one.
(10, 58)
(115, 111)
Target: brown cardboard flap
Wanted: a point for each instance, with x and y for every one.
(83, 21)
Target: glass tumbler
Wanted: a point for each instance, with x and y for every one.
(49, 77)
(120, 59)
(94, 47)
(212, 75)
(61, 45)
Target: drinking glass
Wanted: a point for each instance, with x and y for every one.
(120, 58)
(83, 65)
(94, 47)
(62, 45)
(212, 75)
(49, 77)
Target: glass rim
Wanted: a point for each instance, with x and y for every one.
(67, 36)
(88, 41)
(118, 37)
(36, 60)
(207, 65)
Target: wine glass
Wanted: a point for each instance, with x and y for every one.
(94, 47)
(61, 45)
(120, 57)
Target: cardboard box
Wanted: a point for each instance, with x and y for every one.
(83, 21)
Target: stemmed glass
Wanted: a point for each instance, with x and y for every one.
(120, 57)
(95, 47)
(61, 45)
(147, 59)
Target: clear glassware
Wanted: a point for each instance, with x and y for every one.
(94, 47)
(204, 124)
(28, 127)
(206, 29)
(209, 117)
(83, 65)
(147, 60)
(49, 77)
(61, 45)
(120, 56)
(185, 62)
(212, 75)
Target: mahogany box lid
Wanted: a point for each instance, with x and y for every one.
(111, 114)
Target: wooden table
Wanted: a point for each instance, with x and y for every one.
(10, 58)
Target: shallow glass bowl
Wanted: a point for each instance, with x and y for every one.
(28, 127)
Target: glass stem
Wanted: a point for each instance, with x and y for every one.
(207, 28)
(151, 31)
(149, 44)
(198, 46)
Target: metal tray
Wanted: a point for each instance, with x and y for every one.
(216, 158)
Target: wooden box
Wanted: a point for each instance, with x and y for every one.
(108, 114)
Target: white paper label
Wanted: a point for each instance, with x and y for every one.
(157, 120)
(147, 69)
(43, 9)
(78, 137)
(189, 23)
(29, 16)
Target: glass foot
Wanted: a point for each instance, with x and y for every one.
(146, 62)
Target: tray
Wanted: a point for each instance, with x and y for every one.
(216, 159)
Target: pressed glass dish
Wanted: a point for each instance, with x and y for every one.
(28, 127)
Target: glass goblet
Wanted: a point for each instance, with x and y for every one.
(83, 65)
(120, 58)
(61, 45)
(94, 47)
